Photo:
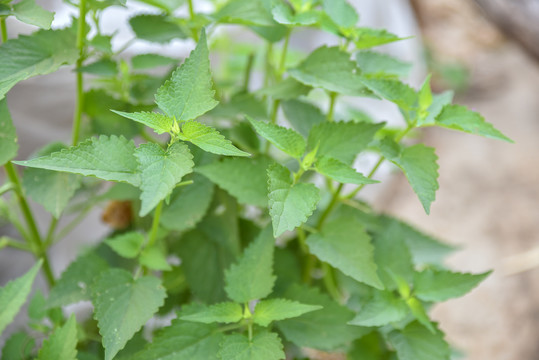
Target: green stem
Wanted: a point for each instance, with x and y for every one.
(230, 327)
(6, 188)
(50, 233)
(192, 16)
(282, 63)
(334, 200)
(267, 67)
(155, 224)
(310, 260)
(332, 98)
(69, 227)
(330, 283)
(17, 245)
(3, 28)
(81, 33)
(248, 70)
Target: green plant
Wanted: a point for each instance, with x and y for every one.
(224, 184)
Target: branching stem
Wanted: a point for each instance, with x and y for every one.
(155, 224)
(81, 35)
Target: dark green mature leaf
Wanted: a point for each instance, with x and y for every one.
(246, 12)
(264, 346)
(458, 117)
(340, 140)
(341, 12)
(41, 53)
(371, 62)
(270, 310)
(31, 13)
(341, 172)
(252, 276)
(13, 295)
(324, 329)
(290, 205)
(160, 171)
(383, 308)
(370, 347)
(284, 139)
(8, 135)
(209, 139)
(391, 89)
(122, 305)
(127, 245)
(415, 342)
(244, 179)
(303, 116)
(183, 340)
(189, 92)
(150, 61)
(156, 28)
(225, 312)
(344, 244)
(18, 346)
(108, 158)
(158, 122)
(441, 285)
(287, 89)
(365, 38)
(62, 344)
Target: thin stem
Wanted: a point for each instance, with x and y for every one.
(155, 224)
(310, 260)
(330, 284)
(192, 16)
(275, 110)
(332, 98)
(17, 245)
(6, 188)
(267, 67)
(50, 233)
(230, 327)
(81, 33)
(69, 227)
(282, 63)
(250, 330)
(248, 70)
(331, 206)
(3, 28)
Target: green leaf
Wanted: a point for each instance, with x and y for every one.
(415, 342)
(283, 14)
(424, 97)
(160, 171)
(183, 340)
(419, 312)
(391, 89)
(341, 12)
(342, 140)
(127, 245)
(365, 37)
(284, 139)
(441, 285)
(344, 244)
(62, 344)
(150, 61)
(155, 258)
(156, 28)
(287, 89)
(225, 312)
(209, 139)
(341, 172)
(31, 13)
(19, 346)
(270, 310)
(158, 122)
(167, 5)
(41, 53)
(122, 305)
(439, 101)
(189, 92)
(290, 205)
(371, 62)
(331, 69)
(460, 118)
(37, 308)
(102, 43)
(302, 116)
(108, 158)
(264, 346)
(251, 277)
(13, 295)
(8, 135)
(103, 67)
(246, 12)
(245, 179)
(383, 308)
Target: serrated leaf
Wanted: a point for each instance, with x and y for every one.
(340, 140)
(189, 92)
(245, 179)
(127, 245)
(108, 158)
(383, 308)
(246, 12)
(439, 101)
(62, 344)
(156, 28)
(264, 346)
(8, 135)
(19, 346)
(284, 139)
(365, 37)
(290, 205)
(371, 62)
(160, 171)
(391, 89)
(31, 13)
(287, 89)
(270, 310)
(225, 312)
(415, 342)
(158, 122)
(341, 12)
(458, 117)
(209, 139)
(122, 305)
(441, 285)
(102, 43)
(13, 295)
(344, 244)
(150, 61)
(41, 53)
(341, 172)
(302, 116)
(251, 277)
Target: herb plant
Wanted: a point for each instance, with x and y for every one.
(240, 218)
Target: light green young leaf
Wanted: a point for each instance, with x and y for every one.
(424, 96)
(439, 101)
(302, 115)
(127, 245)
(415, 342)
(62, 344)
(158, 122)
(252, 276)
(284, 14)
(31, 13)
(108, 158)
(156, 28)
(391, 89)
(419, 312)
(290, 205)
(441, 285)
(8, 135)
(13, 295)
(458, 117)
(103, 67)
(264, 346)
(189, 92)
(154, 258)
(365, 38)
(341, 12)
(344, 244)
(41, 53)
(371, 62)
(287, 89)
(209, 139)
(225, 312)
(245, 179)
(122, 305)
(383, 308)
(270, 310)
(150, 61)
(160, 171)
(284, 139)
(341, 172)
(246, 12)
